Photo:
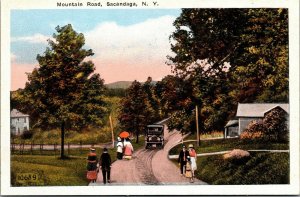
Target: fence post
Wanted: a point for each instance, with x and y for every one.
(68, 148)
(31, 148)
(20, 148)
(80, 147)
(54, 149)
(13, 146)
(41, 148)
(23, 148)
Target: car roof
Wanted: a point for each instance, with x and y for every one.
(155, 125)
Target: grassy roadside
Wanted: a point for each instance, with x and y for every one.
(54, 171)
(259, 168)
(229, 144)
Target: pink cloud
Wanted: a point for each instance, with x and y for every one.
(129, 71)
(18, 75)
(111, 72)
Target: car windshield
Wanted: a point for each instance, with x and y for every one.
(154, 130)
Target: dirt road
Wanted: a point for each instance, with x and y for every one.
(148, 167)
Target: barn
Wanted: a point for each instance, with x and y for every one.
(247, 112)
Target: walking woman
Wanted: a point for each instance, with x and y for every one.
(119, 149)
(193, 156)
(92, 165)
(128, 149)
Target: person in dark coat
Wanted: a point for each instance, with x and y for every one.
(182, 158)
(105, 165)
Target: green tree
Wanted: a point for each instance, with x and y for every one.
(227, 56)
(172, 95)
(260, 69)
(135, 110)
(63, 91)
(149, 88)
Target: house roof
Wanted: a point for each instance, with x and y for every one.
(232, 123)
(258, 109)
(16, 114)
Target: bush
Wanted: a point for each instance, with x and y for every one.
(255, 126)
(246, 135)
(275, 123)
(27, 134)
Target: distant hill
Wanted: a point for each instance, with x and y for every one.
(121, 84)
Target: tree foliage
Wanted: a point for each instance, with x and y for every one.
(62, 90)
(226, 56)
(135, 110)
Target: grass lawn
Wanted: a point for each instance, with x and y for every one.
(260, 168)
(54, 171)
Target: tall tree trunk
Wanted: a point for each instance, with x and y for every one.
(62, 155)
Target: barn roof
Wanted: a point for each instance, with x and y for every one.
(16, 114)
(258, 109)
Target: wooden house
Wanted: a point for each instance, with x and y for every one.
(247, 112)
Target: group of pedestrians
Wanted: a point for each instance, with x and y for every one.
(93, 166)
(124, 149)
(187, 160)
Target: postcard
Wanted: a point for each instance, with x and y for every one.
(138, 97)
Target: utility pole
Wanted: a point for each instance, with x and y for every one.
(197, 126)
(112, 131)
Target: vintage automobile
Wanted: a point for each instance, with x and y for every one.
(154, 136)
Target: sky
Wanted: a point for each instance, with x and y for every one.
(129, 44)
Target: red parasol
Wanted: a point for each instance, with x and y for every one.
(124, 134)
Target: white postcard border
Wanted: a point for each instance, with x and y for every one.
(292, 188)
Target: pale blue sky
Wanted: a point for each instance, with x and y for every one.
(26, 23)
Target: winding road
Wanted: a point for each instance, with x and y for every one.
(148, 167)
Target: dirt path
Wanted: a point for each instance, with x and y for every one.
(148, 167)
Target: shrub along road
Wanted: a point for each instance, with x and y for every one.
(148, 167)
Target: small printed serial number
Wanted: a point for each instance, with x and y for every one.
(29, 179)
